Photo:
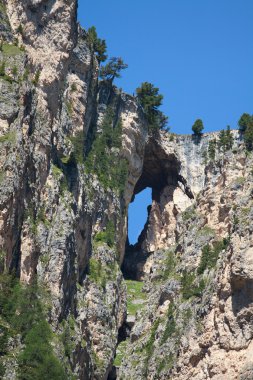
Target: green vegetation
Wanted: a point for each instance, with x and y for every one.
(96, 45)
(135, 296)
(22, 313)
(60, 176)
(34, 218)
(151, 100)
(206, 231)
(100, 273)
(248, 136)
(11, 50)
(190, 287)
(2, 73)
(246, 128)
(169, 265)
(170, 327)
(225, 139)
(36, 78)
(150, 342)
(112, 69)
(9, 137)
(37, 361)
(198, 127)
(210, 255)
(120, 353)
(188, 214)
(212, 149)
(244, 121)
(73, 87)
(26, 74)
(67, 336)
(104, 158)
(20, 29)
(107, 236)
(78, 145)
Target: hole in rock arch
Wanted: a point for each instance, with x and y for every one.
(161, 175)
(138, 214)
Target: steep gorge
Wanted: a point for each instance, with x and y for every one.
(64, 225)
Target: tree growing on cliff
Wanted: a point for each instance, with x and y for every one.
(248, 135)
(198, 127)
(112, 69)
(225, 139)
(96, 45)
(150, 100)
(244, 122)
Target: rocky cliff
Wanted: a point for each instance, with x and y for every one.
(74, 153)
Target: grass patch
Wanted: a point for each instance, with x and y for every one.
(9, 137)
(11, 50)
(120, 352)
(206, 231)
(135, 293)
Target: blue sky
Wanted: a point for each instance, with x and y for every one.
(198, 52)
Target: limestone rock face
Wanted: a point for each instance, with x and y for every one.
(201, 329)
(64, 224)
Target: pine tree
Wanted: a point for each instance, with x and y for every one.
(248, 135)
(97, 45)
(198, 127)
(244, 121)
(112, 69)
(151, 100)
(229, 138)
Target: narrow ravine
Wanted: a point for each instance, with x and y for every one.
(136, 300)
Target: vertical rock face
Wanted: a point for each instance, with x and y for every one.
(63, 222)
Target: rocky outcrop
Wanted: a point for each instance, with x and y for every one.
(64, 195)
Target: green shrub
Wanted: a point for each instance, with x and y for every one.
(189, 286)
(169, 265)
(73, 87)
(78, 148)
(210, 255)
(100, 273)
(23, 313)
(212, 149)
(37, 361)
(104, 158)
(170, 327)
(189, 213)
(150, 343)
(36, 78)
(66, 336)
(107, 236)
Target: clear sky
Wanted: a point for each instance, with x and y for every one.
(198, 52)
